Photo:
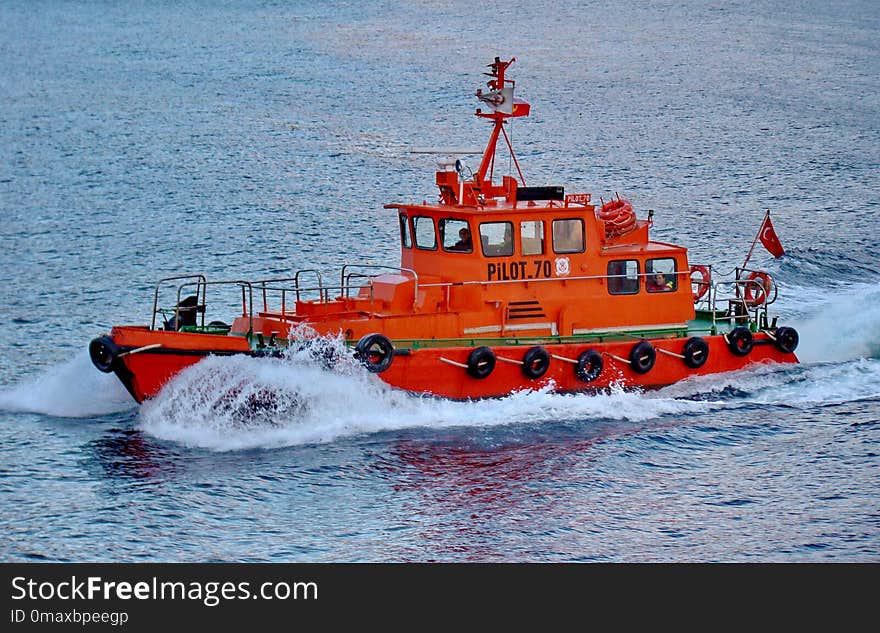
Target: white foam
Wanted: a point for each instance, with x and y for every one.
(788, 385)
(74, 389)
(841, 325)
(210, 405)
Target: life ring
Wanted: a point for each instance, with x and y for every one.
(787, 339)
(481, 362)
(618, 216)
(615, 208)
(642, 357)
(700, 287)
(535, 362)
(621, 224)
(740, 340)
(756, 294)
(375, 352)
(696, 352)
(589, 365)
(103, 352)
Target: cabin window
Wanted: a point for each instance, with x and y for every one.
(623, 277)
(423, 231)
(531, 234)
(405, 238)
(456, 236)
(568, 236)
(496, 238)
(660, 275)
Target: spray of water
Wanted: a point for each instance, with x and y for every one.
(227, 404)
(73, 389)
(840, 326)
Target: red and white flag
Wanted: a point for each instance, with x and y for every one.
(769, 238)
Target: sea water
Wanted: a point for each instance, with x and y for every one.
(250, 139)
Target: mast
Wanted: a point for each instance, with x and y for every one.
(455, 189)
(504, 106)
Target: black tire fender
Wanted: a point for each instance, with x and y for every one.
(696, 352)
(740, 340)
(103, 352)
(535, 362)
(375, 352)
(642, 357)
(589, 365)
(787, 339)
(481, 362)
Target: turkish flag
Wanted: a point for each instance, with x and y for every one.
(769, 238)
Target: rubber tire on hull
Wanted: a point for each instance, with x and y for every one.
(535, 362)
(481, 362)
(696, 352)
(740, 341)
(375, 352)
(589, 365)
(103, 352)
(642, 357)
(787, 339)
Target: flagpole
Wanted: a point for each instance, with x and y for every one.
(757, 235)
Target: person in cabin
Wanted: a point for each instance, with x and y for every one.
(464, 241)
(505, 248)
(658, 283)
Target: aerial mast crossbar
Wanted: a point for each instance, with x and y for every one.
(503, 106)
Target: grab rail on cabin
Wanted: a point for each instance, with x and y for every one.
(487, 282)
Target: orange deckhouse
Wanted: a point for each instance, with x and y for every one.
(500, 287)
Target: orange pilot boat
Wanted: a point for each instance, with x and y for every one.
(501, 287)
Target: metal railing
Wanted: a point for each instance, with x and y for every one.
(283, 287)
(201, 285)
(267, 286)
(201, 281)
(734, 292)
(345, 280)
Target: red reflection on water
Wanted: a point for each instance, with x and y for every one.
(462, 496)
(129, 455)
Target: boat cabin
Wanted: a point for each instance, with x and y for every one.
(549, 264)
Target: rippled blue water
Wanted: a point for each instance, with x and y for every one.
(245, 138)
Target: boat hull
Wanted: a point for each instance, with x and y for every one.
(424, 371)
(147, 359)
